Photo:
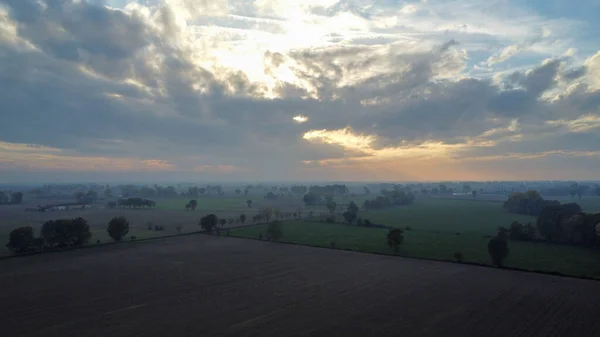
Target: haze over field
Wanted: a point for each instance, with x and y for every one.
(299, 90)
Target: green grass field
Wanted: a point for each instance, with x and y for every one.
(434, 226)
(447, 215)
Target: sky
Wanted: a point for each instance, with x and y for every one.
(286, 90)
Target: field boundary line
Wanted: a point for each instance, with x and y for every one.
(123, 242)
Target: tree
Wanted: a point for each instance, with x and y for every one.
(107, 192)
(193, 192)
(277, 213)
(352, 207)
(193, 204)
(275, 231)
(243, 218)
(222, 222)
(498, 248)
(474, 193)
(367, 190)
(80, 231)
(350, 216)
(249, 202)
(118, 227)
(266, 213)
(209, 223)
(238, 191)
(4, 198)
(395, 238)
(66, 232)
(79, 195)
(21, 239)
(331, 205)
(552, 222)
(16, 198)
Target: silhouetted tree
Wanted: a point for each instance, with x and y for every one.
(249, 202)
(16, 198)
(193, 204)
(209, 223)
(349, 216)
(331, 205)
(66, 232)
(118, 228)
(498, 248)
(277, 213)
(395, 238)
(243, 218)
(266, 213)
(274, 230)
(21, 239)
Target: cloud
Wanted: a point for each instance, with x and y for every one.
(288, 90)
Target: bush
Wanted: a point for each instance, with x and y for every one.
(332, 244)
(98, 242)
(21, 240)
(395, 238)
(275, 231)
(150, 225)
(407, 228)
(118, 227)
(179, 227)
(133, 238)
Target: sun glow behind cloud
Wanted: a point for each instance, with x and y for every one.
(300, 119)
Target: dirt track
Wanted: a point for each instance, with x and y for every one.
(210, 286)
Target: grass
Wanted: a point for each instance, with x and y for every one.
(568, 260)
(448, 215)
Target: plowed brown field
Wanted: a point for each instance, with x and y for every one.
(216, 286)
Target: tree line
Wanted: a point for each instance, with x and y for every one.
(395, 197)
(555, 222)
(131, 203)
(62, 233)
(14, 198)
